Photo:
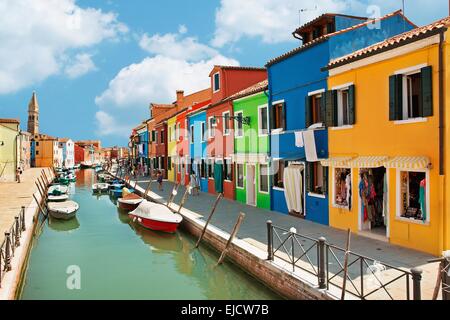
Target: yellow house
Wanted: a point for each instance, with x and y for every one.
(9, 137)
(388, 156)
(171, 148)
(46, 151)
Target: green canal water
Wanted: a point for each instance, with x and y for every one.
(117, 259)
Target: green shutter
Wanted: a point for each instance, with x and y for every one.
(309, 176)
(325, 180)
(351, 105)
(283, 116)
(427, 92)
(331, 108)
(395, 97)
(308, 112)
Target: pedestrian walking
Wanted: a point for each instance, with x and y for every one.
(193, 182)
(159, 178)
(18, 173)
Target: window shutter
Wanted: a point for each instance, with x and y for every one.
(325, 180)
(351, 104)
(331, 106)
(427, 92)
(283, 116)
(272, 118)
(308, 113)
(309, 176)
(395, 97)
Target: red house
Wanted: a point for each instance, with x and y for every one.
(226, 81)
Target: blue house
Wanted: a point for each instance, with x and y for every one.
(143, 145)
(301, 108)
(198, 144)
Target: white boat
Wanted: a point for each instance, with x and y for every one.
(100, 187)
(63, 210)
(59, 198)
(57, 190)
(129, 202)
(156, 217)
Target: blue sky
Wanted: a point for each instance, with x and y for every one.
(97, 64)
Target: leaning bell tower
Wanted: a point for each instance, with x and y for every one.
(33, 115)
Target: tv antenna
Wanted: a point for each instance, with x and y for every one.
(304, 10)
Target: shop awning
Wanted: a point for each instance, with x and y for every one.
(420, 163)
(368, 162)
(336, 162)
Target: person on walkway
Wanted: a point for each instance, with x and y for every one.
(159, 179)
(193, 182)
(18, 173)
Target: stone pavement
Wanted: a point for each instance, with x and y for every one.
(254, 231)
(14, 195)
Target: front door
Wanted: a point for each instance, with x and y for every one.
(251, 185)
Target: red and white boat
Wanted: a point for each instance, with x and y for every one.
(130, 202)
(156, 217)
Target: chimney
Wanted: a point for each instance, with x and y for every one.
(180, 97)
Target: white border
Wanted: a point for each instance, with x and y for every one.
(260, 122)
(214, 82)
(223, 125)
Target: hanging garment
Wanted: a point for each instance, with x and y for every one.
(363, 201)
(348, 187)
(422, 199)
(299, 139)
(385, 200)
(293, 188)
(218, 177)
(310, 146)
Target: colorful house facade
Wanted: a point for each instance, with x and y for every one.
(393, 154)
(251, 146)
(299, 107)
(9, 139)
(197, 144)
(171, 148)
(225, 81)
(46, 151)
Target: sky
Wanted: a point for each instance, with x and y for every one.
(96, 65)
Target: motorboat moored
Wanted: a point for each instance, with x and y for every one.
(156, 217)
(129, 202)
(100, 187)
(63, 210)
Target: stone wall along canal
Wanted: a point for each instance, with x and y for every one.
(118, 259)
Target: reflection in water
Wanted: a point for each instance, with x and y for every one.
(121, 260)
(63, 225)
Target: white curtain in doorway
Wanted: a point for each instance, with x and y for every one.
(293, 188)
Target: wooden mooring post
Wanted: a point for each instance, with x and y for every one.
(40, 207)
(219, 197)
(346, 257)
(39, 188)
(173, 194)
(149, 186)
(183, 200)
(232, 236)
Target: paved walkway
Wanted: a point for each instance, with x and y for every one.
(254, 231)
(14, 195)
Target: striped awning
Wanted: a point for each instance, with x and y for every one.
(369, 162)
(337, 162)
(408, 163)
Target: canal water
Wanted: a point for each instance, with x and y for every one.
(117, 259)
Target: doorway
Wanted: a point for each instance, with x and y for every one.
(373, 204)
(251, 184)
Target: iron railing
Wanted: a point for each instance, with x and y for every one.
(366, 278)
(10, 243)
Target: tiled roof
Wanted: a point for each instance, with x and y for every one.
(236, 68)
(329, 35)
(261, 86)
(2, 120)
(325, 15)
(404, 38)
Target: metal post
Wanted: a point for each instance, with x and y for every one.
(269, 241)
(416, 277)
(321, 271)
(16, 233)
(445, 280)
(24, 228)
(7, 252)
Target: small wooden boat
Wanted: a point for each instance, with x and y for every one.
(63, 210)
(57, 190)
(130, 202)
(100, 187)
(71, 177)
(60, 198)
(156, 217)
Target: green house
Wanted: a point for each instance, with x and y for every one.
(251, 146)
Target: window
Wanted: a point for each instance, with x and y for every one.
(316, 178)
(263, 120)
(263, 178)
(170, 135)
(411, 95)
(413, 195)
(342, 187)
(210, 168)
(343, 107)
(278, 116)
(315, 109)
(162, 137)
(238, 124)
(279, 173)
(228, 170)
(216, 80)
(37, 152)
(203, 169)
(211, 127)
(169, 163)
(203, 128)
(177, 132)
(226, 123)
(240, 175)
(192, 134)
(37, 143)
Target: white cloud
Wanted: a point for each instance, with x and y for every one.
(81, 65)
(176, 63)
(107, 125)
(182, 29)
(172, 45)
(36, 36)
